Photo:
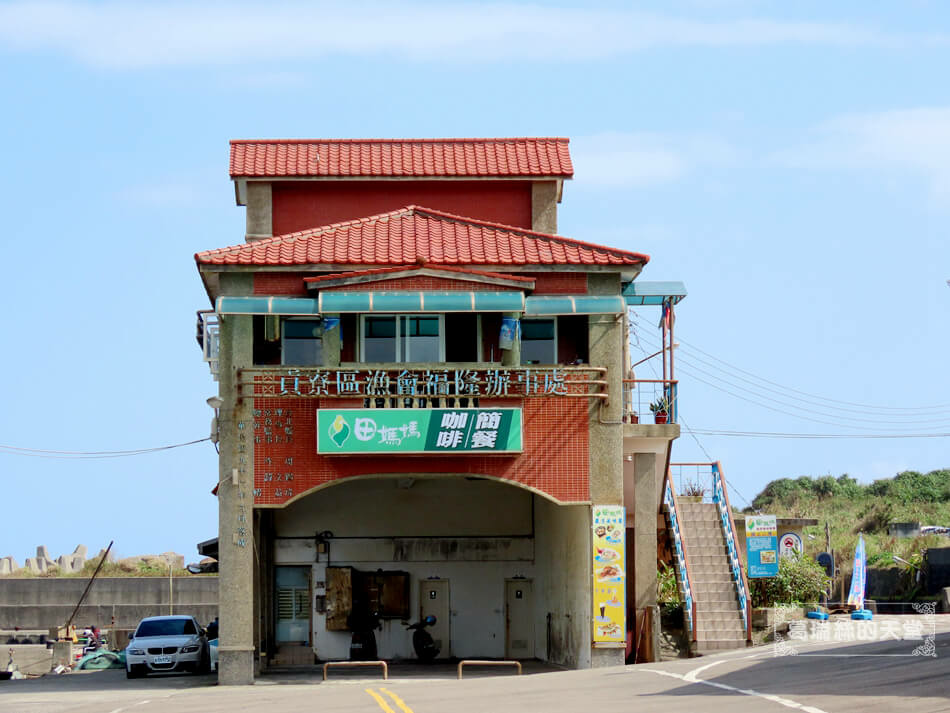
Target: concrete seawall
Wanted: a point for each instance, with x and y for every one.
(43, 602)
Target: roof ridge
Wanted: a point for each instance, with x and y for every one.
(413, 209)
(453, 140)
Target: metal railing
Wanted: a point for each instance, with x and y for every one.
(682, 561)
(720, 496)
(693, 480)
(476, 662)
(650, 400)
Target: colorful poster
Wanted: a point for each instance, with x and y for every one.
(419, 430)
(761, 545)
(609, 560)
(858, 575)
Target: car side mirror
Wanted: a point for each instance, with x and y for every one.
(131, 634)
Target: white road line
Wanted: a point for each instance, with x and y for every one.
(745, 691)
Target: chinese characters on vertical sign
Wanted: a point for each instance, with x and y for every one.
(273, 430)
(761, 545)
(609, 559)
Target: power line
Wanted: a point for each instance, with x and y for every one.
(885, 425)
(944, 407)
(764, 434)
(91, 455)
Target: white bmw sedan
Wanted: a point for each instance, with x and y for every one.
(167, 643)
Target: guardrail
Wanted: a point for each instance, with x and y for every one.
(682, 562)
(721, 497)
(340, 664)
(487, 663)
(650, 400)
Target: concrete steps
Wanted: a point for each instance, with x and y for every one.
(719, 622)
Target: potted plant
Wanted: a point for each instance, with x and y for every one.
(693, 492)
(661, 410)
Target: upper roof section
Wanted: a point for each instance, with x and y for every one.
(401, 158)
(418, 235)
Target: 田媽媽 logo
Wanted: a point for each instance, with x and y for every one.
(339, 430)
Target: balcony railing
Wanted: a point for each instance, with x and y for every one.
(650, 400)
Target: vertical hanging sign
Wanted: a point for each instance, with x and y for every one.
(609, 560)
(761, 545)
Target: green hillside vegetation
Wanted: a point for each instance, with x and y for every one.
(850, 507)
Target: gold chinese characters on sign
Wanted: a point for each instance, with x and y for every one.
(609, 559)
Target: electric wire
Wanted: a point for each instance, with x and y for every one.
(92, 455)
(895, 426)
(944, 407)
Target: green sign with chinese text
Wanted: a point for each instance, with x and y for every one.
(419, 430)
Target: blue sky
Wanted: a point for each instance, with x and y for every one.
(790, 162)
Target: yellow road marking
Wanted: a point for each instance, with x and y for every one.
(380, 700)
(397, 700)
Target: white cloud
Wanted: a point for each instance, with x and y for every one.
(915, 141)
(615, 159)
(120, 35)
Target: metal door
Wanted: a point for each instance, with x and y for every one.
(434, 595)
(519, 619)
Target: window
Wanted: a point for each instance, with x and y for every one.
(402, 338)
(301, 343)
(538, 341)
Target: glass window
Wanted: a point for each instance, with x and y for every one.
(379, 339)
(302, 343)
(419, 340)
(538, 341)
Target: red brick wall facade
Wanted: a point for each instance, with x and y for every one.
(555, 458)
(311, 204)
(558, 283)
(280, 283)
(436, 284)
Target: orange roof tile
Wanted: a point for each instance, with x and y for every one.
(413, 235)
(391, 158)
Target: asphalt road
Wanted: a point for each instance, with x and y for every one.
(819, 678)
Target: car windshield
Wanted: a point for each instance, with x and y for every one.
(166, 627)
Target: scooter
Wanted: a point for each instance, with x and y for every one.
(363, 641)
(422, 641)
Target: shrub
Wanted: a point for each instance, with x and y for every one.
(667, 589)
(800, 581)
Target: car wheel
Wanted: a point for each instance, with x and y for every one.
(134, 671)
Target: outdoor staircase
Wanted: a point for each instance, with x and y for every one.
(720, 623)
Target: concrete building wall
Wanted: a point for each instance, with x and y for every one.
(564, 581)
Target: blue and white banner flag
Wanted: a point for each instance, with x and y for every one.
(859, 575)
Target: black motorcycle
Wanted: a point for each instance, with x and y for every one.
(363, 642)
(422, 641)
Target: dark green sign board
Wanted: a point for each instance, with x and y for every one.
(419, 430)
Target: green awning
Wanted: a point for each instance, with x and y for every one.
(653, 293)
(578, 304)
(401, 302)
(289, 306)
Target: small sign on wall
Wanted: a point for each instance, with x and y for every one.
(761, 545)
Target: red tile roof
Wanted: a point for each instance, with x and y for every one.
(413, 235)
(391, 158)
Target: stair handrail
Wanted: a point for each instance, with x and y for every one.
(682, 561)
(721, 498)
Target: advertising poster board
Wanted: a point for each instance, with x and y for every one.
(609, 559)
(418, 431)
(761, 545)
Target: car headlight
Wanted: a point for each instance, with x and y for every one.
(137, 652)
(190, 649)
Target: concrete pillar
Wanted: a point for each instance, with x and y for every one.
(235, 496)
(606, 428)
(332, 343)
(544, 206)
(512, 357)
(641, 576)
(259, 211)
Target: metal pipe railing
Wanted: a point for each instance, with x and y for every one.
(729, 527)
